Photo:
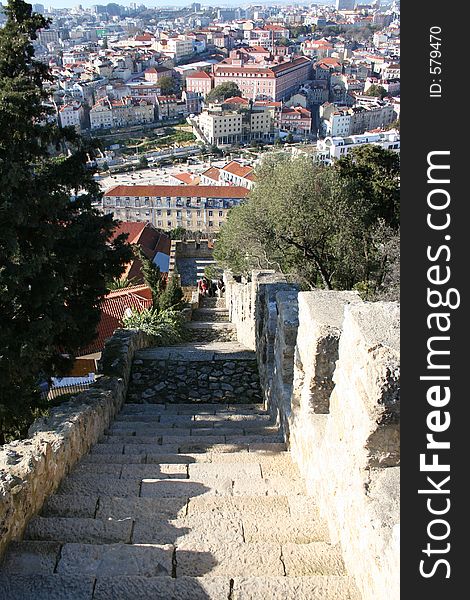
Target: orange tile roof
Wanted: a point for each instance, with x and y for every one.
(185, 178)
(113, 308)
(172, 191)
(236, 168)
(212, 173)
(199, 75)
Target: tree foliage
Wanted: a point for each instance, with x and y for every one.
(165, 327)
(223, 91)
(172, 295)
(377, 90)
(167, 85)
(56, 250)
(327, 226)
(151, 274)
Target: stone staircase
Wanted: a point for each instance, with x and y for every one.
(210, 323)
(182, 500)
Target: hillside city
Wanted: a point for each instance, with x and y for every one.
(199, 301)
(159, 86)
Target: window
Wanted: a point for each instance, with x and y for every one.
(210, 213)
(221, 214)
(168, 213)
(211, 223)
(169, 223)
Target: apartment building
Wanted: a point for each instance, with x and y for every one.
(221, 126)
(199, 82)
(295, 119)
(332, 148)
(194, 207)
(72, 115)
(121, 113)
(267, 82)
(336, 121)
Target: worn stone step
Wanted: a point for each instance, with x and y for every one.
(212, 325)
(110, 560)
(163, 588)
(46, 587)
(155, 471)
(194, 352)
(273, 486)
(273, 507)
(193, 529)
(29, 556)
(258, 559)
(66, 505)
(210, 314)
(330, 587)
(185, 488)
(96, 485)
(142, 508)
(92, 531)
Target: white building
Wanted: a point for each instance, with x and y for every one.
(72, 115)
(332, 148)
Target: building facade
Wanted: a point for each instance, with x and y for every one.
(194, 207)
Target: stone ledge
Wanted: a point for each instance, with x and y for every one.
(32, 469)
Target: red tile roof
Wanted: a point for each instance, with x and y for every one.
(236, 168)
(113, 310)
(212, 173)
(172, 191)
(199, 75)
(185, 178)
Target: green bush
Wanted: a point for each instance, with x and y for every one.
(165, 327)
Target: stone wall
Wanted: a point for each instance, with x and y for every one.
(31, 469)
(330, 371)
(207, 377)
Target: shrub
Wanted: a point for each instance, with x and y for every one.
(165, 327)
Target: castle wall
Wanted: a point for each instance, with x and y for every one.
(330, 372)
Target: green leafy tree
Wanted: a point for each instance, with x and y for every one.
(326, 226)
(377, 91)
(143, 162)
(56, 251)
(223, 91)
(167, 85)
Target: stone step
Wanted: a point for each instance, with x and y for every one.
(83, 530)
(195, 556)
(258, 559)
(209, 331)
(162, 411)
(197, 352)
(218, 315)
(61, 587)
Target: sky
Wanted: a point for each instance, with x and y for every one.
(165, 3)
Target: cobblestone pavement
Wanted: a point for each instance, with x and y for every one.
(181, 501)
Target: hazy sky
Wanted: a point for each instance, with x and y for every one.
(165, 3)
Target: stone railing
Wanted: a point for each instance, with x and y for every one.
(31, 469)
(330, 372)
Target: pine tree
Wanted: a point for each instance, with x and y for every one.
(152, 276)
(56, 250)
(172, 296)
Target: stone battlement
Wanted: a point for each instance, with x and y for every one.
(330, 372)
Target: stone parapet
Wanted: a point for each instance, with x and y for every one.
(32, 469)
(330, 371)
